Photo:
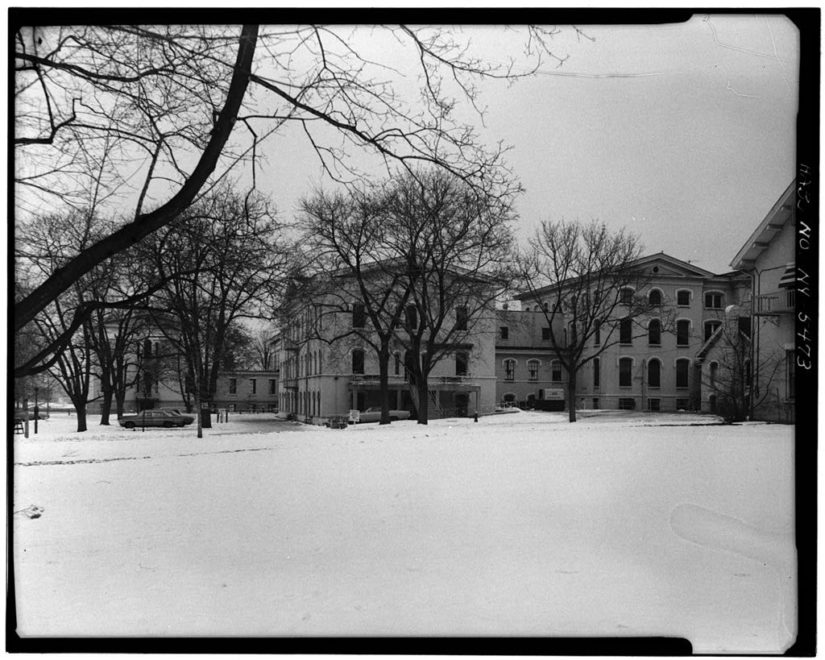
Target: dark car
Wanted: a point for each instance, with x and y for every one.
(161, 418)
(178, 411)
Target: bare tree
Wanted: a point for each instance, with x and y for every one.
(157, 106)
(583, 279)
(221, 264)
(455, 247)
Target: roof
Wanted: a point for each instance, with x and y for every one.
(685, 268)
(774, 222)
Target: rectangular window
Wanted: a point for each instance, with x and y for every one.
(254, 385)
(359, 315)
(710, 328)
(555, 371)
(504, 332)
(625, 372)
(683, 298)
(545, 334)
(460, 318)
(357, 362)
(682, 404)
(713, 300)
(595, 403)
(533, 369)
(412, 317)
(654, 405)
(682, 367)
(272, 382)
(596, 372)
(625, 331)
(597, 337)
(233, 385)
(682, 333)
(627, 404)
(509, 369)
(461, 362)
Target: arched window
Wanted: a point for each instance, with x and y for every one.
(682, 372)
(147, 348)
(357, 361)
(397, 364)
(682, 332)
(412, 317)
(714, 300)
(654, 368)
(654, 332)
(626, 331)
(714, 373)
(509, 369)
(597, 332)
(654, 297)
(533, 369)
(710, 328)
(625, 372)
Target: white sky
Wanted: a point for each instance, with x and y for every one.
(684, 133)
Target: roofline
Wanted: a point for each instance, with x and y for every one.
(764, 230)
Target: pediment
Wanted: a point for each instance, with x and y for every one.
(663, 265)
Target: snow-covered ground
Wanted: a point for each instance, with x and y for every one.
(520, 524)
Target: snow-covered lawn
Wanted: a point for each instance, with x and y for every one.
(520, 524)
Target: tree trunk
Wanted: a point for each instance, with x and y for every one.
(80, 410)
(384, 383)
(198, 414)
(106, 406)
(120, 402)
(423, 401)
(571, 395)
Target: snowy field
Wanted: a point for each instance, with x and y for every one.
(520, 524)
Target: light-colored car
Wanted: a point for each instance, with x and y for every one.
(161, 418)
(177, 411)
(374, 415)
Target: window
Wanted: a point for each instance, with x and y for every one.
(627, 404)
(683, 298)
(682, 366)
(509, 369)
(359, 316)
(654, 332)
(714, 371)
(545, 334)
(460, 318)
(625, 331)
(682, 404)
(654, 405)
(597, 335)
(596, 373)
(533, 369)
(462, 359)
(713, 300)
(147, 348)
(654, 378)
(626, 296)
(233, 385)
(272, 382)
(412, 317)
(504, 332)
(595, 403)
(396, 364)
(625, 368)
(744, 325)
(654, 297)
(710, 328)
(253, 384)
(358, 361)
(682, 332)
(555, 371)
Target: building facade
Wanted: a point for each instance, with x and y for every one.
(768, 257)
(329, 366)
(654, 366)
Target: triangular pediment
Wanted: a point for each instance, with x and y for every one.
(663, 265)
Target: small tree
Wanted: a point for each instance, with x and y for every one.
(581, 277)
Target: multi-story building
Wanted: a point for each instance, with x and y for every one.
(654, 365)
(768, 257)
(328, 364)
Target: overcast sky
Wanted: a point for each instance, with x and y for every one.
(684, 133)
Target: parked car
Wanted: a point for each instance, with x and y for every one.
(162, 418)
(374, 415)
(178, 411)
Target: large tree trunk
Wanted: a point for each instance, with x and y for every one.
(571, 395)
(106, 406)
(80, 410)
(384, 383)
(120, 402)
(423, 401)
